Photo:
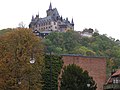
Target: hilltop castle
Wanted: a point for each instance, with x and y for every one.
(52, 22)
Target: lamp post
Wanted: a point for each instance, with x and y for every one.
(32, 61)
(19, 82)
(88, 85)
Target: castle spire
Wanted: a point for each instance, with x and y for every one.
(32, 18)
(72, 22)
(50, 7)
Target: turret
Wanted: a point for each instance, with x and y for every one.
(49, 11)
(33, 19)
(67, 21)
(61, 18)
(37, 17)
(72, 22)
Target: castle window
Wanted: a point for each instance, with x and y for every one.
(55, 27)
(49, 23)
(45, 23)
(54, 23)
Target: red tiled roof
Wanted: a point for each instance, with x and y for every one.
(116, 73)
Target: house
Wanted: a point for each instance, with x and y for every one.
(113, 83)
(87, 32)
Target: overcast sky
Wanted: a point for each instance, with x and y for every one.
(103, 15)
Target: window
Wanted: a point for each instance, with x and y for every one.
(115, 80)
(55, 27)
(54, 23)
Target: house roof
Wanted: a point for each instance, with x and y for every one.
(117, 73)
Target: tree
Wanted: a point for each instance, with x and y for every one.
(3, 31)
(53, 65)
(17, 72)
(74, 78)
(62, 42)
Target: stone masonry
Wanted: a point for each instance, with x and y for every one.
(96, 66)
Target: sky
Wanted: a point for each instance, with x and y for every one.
(103, 15)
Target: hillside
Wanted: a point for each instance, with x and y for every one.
(72, 42)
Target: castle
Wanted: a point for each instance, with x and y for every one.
(52, 22)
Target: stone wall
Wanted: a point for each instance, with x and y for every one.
(96, 66)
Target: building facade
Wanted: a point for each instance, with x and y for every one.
(96, 67)
(52, 22)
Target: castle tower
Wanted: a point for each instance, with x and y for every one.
(49, 11)
(33, 19)
(72, 24)
(50, 7)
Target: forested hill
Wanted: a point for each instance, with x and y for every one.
(71, 42)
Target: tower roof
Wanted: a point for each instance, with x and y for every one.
(50, 7)
(72, 22)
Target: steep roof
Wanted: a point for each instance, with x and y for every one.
(117, 73)
(50, 7)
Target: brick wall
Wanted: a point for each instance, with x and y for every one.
(96, 66)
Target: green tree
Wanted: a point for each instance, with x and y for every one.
(62, 42)
(53, 65)
(74, 78)
(72, 42)
(18, 50)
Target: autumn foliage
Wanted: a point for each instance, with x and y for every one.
(16, 71)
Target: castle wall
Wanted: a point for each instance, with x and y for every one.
(96, 66)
